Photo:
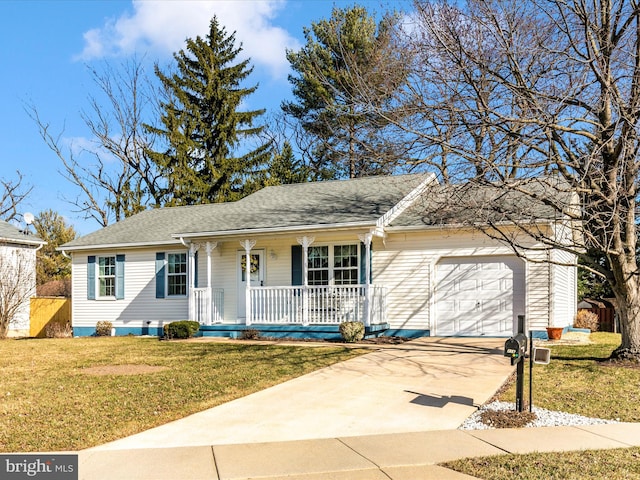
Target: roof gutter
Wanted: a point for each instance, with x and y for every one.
(455, 226)
(20, 241)
(111, 246)
(275, 230)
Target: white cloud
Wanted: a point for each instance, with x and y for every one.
(161, 27)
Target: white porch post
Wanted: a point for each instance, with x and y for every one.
(209, 247)
(193, 248)
(306, 243)
(366, 239)
(247, 245)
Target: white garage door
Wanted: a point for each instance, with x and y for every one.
(479, 295)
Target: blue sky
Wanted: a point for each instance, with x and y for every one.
(48, 45)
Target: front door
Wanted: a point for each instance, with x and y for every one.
(256, 277)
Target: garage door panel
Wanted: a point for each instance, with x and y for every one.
(475, 295)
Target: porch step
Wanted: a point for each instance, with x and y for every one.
(324, 332)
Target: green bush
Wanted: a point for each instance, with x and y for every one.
(103, 329)
(352, 331)
(250, 334)
(181, 329)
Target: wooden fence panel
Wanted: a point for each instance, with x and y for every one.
(48, 310)
(606, 318)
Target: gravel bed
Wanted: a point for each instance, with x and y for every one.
(546, 418)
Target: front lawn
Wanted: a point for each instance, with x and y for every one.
(578, 380)
(55, 396)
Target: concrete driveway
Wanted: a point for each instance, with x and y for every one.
(426, 384)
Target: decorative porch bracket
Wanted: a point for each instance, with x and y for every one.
(306, 243)
(247, 245)
(366, 239)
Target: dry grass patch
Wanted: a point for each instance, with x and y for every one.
(123, 370)
(49, 402)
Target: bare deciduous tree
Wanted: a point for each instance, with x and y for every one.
(537, 106)
(121, 180)
(17, 286)
(12, 195)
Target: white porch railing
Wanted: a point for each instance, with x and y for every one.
(322, 305)
(206, 305)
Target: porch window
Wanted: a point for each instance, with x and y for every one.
(177, 274)
(336, 265)
(318, 265)
(345, 264)
(107, 276)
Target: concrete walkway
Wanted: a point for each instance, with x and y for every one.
(426, 384)
(401, 456)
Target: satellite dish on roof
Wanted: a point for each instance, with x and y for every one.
(28, 218)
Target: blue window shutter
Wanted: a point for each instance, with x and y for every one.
(363, 266)
(296, 265)
(160, 274)
(91, 277)
(195, 270)
(119, 277)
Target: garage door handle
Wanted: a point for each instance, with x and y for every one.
(477, 305)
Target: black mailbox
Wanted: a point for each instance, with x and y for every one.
(515, 348)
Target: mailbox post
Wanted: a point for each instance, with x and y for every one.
(516, 348)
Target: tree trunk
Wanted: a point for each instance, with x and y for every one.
(4, 328)
(627, 294)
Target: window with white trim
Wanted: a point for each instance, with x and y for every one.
(333, 265)
(176, 274)
(345, 264)
(107, 276)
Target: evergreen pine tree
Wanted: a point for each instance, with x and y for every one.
(348, 67)
(285, 168)
(202, 125)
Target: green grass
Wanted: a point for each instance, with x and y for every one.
(49, 402)
(576, 381)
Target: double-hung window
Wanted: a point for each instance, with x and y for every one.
(176, 274)
(107, 276)
(333, 265)
(345, 264)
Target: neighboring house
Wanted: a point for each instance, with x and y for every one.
(17, 276)
(320, 254)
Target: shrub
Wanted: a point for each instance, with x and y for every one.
(250, 334)
(586, 319)
(58, 330)
(352, 331)
(181, 329)
(103, 329)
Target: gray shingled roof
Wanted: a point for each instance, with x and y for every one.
(470, 203)
(13, 234)
(341, 202)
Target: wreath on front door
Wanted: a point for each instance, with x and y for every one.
(253, 268)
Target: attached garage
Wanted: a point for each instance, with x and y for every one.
(479, 295)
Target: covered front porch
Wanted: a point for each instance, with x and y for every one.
(280, 308)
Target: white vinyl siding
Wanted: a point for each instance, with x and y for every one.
(564, 287)
(405, 263)
(139, 304)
